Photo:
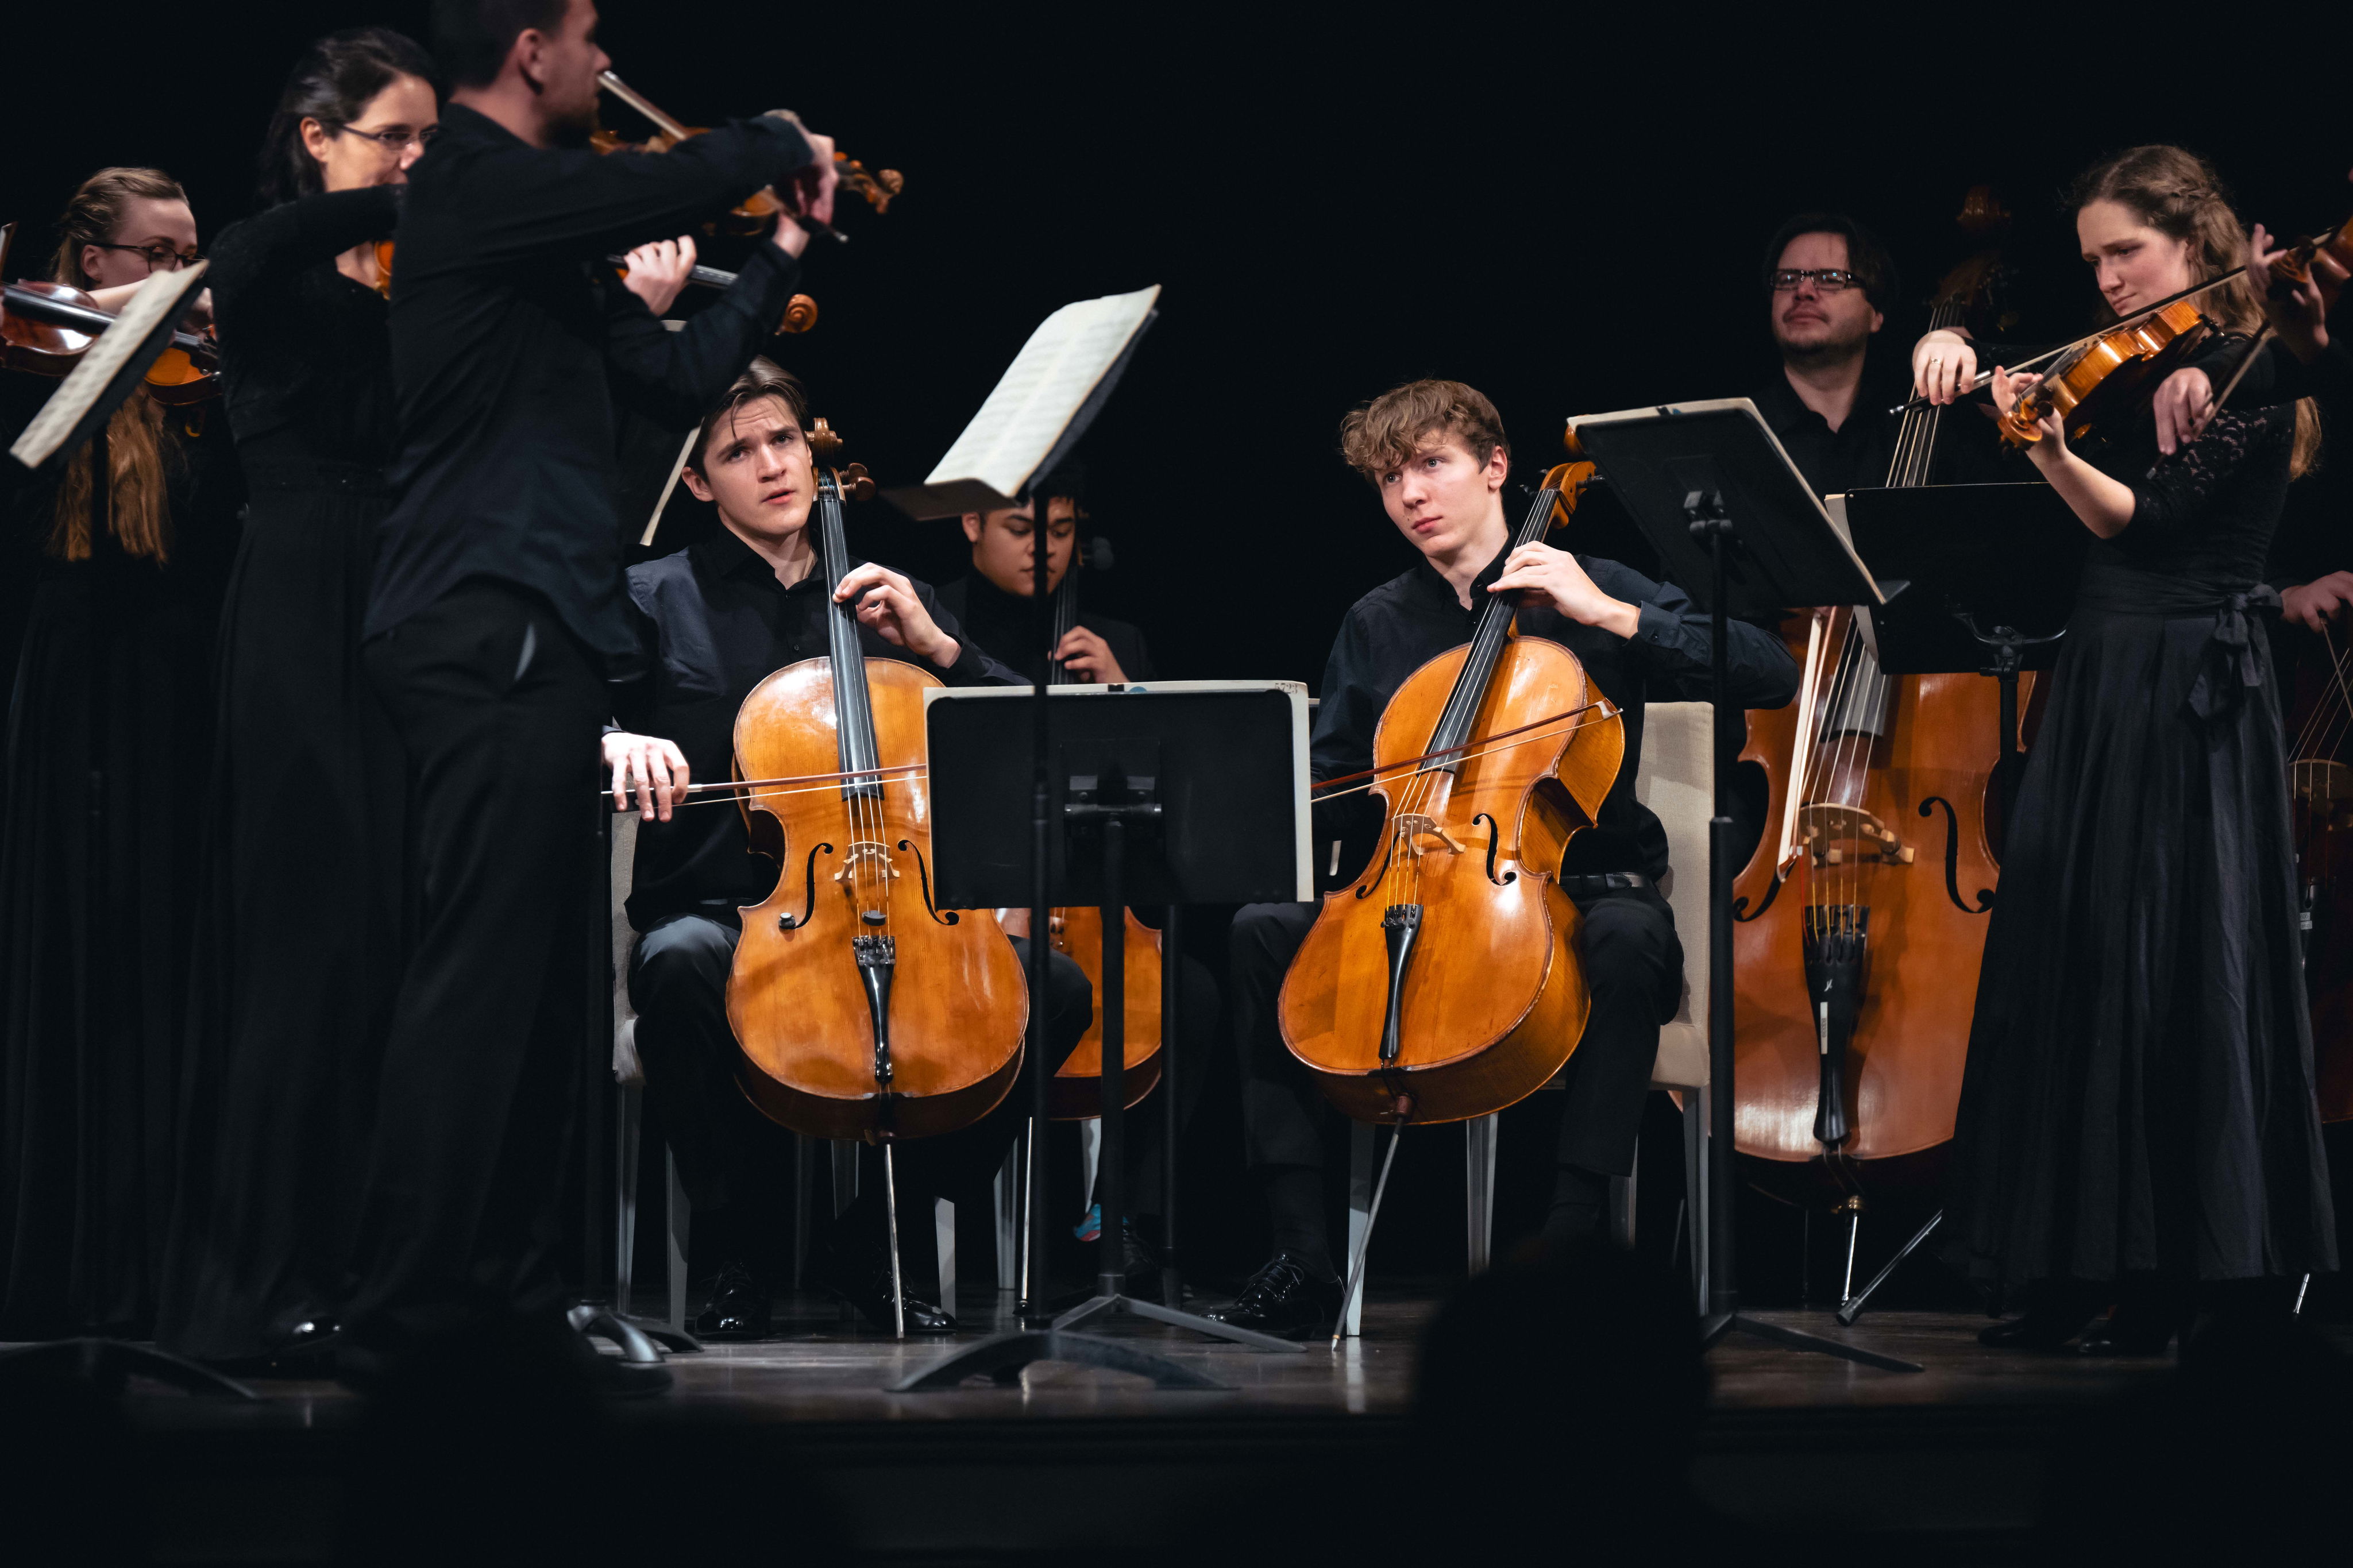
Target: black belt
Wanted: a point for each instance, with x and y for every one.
(1592, 884)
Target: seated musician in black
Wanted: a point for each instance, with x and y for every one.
(995, 601)
(717, 617)
(1828, 283)
(1436, 453)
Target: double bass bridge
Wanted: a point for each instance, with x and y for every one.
(1838, 835)
(1414, 827)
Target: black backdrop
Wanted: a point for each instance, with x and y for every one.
(1569, 217)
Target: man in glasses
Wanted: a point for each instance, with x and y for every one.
(1828, 283)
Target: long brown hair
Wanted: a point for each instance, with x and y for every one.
(139, 510)
(2177, 193)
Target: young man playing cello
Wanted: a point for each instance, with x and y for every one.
(718, 617)
(1436, 454)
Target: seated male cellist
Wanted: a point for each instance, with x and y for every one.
(1435, 453)
(715, 619)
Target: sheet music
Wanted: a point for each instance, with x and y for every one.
(159, 297)
(1044, 388)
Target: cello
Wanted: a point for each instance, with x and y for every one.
(1447, 982)
(1855, 986)
(1076, 1092)
(829, 1043)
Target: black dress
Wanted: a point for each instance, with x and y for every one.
(301, 946)
(2139, 1097)
(110, 718)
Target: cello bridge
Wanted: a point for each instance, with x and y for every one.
(1835, 834)
(1413, 825)
(863, 855)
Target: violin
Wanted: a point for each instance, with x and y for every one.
(1855, 955)
(1447, 984)
(2106, 378)
(756, 213)
(1076, 1092)
(45, 328)
(829, 1043)
(801, 310)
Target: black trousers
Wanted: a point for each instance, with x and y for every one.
(732, 1159)
(1633, 965)
(498, 709)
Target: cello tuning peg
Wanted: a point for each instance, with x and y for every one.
(856, 483)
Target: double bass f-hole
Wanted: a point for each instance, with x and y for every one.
(1984, 905)
(1494, 842)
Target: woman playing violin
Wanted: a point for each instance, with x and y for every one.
(2137, 1123)
(111, 710)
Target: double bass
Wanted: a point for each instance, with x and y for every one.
(860, 1009)
(1862, 915)
(1446, 984)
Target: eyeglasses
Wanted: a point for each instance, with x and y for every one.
(1829, 280)
(396, 140)
(158, 255)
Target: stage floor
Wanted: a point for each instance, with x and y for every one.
(1951, 1461)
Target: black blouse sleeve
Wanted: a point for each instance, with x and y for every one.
(297, 235)
(2176, 493)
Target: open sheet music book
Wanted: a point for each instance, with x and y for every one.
(95, 388)
(1041, 406)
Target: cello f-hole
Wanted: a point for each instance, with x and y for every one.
(1953, 859)
(808, 875)
(950, 917)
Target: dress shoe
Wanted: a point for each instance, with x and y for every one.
(738, 1308)
(2056, 1317)
(1285, 1299)
(2135, 1328)
(868, 1290)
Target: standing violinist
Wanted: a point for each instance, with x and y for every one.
(2137, 1121)
(720, 616)
(496, 616)
(1827, 282)
(99, 823)
(997, 603)
(1435, 454)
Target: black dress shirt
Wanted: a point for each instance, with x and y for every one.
(1008, 627)
(1854, 457)
(510, 337)
(1409, 620)
(717, 623)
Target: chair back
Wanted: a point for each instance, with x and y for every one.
(1676, 781)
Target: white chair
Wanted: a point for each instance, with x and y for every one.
(1676, 781)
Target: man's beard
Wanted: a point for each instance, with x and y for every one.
(1829, 349)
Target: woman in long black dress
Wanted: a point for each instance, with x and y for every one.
(301, 946)
(110, 713)
(2137, 1117)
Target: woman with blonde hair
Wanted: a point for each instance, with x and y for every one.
(110, 728)
(2137, 1123)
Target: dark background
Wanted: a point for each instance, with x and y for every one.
(1570, 218)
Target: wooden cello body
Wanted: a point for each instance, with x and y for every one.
(1447, 982)
(859, 1010)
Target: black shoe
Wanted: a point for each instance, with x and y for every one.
(738, 1308)
(2135, 1328)
(868, 1290)
(1284, 1299)
(2047, 1326)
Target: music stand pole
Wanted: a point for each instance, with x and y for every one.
(1036, 1252)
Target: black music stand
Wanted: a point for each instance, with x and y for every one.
(1737, 526)
(1187, 792)
(2005, 557)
